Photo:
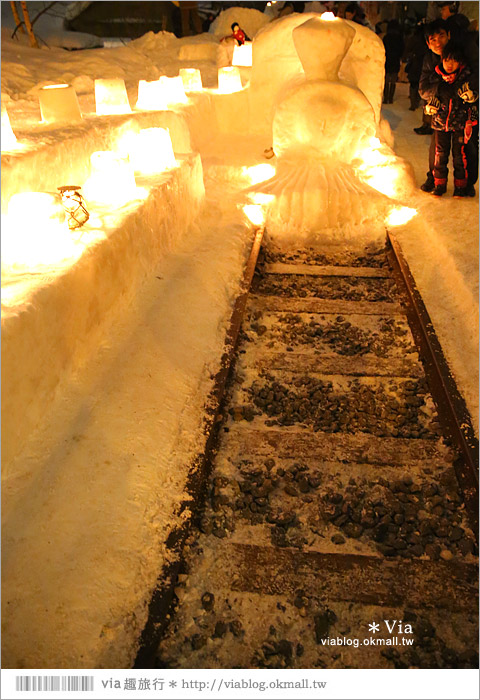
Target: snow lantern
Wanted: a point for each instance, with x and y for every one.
(173, 90)
(150, 95)
(112, 179)
(151, 151)
(192, 79)
(36, 232)
(242, 55)
(111, 96)
(74, 206)
(229, 79)
(9, 140)
(59, 103)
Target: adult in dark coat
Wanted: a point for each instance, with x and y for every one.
(415, 50)
(393, 42)
(437, 36)
(457, 24)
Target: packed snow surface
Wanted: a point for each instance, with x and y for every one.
(92, 486)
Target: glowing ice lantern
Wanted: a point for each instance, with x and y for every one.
(9, 140)
(112, 180)
(36, 232)
(36, 210)
(150, 95)
(192, 79)
(59, 103)
(111, 96)
(173, 90)
(152, 151)
(328, 16)
(242, 55)
(229, 79)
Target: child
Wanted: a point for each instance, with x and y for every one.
(453, 115)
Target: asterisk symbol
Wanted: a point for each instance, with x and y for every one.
(173, 684)
(373, 627)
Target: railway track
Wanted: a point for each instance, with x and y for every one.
(336, 495)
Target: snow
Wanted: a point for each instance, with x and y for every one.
(107, 356)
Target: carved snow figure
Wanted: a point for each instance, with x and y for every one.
(323, 129)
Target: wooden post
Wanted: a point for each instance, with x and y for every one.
(16, 17)
(28, 24)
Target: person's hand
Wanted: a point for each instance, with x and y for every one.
(432, 106)
(448, 77)
(467, 94)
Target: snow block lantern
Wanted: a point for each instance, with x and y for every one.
(173, 90)
(9, 140)
(150, 95)
(242, 55)
(112, 180)
(152, 152)
(192, 79)
(59, 103)
(111, 97)
(229, 79)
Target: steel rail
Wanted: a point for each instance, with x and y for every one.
(451, 407)
(163, 596)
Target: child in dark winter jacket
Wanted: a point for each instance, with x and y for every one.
(454, 113)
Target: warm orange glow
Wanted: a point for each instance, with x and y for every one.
(192, 79)
(229, 79)
(111, 97)
(258, 173)
(35, 232)
(242, 55)
(377, 167)
(151, 151)
(255, 214)
(400, 215)
(9, 140)
(112, 181)
(173, 90)
(150, 95)
(59, 103)
(328, 16)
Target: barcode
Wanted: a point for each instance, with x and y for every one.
(52, 683)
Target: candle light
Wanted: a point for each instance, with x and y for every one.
(9, 140)
(111, 96)
(229, 79)
(242, 55)
(151, 151)
(112, 179)
(192, 79)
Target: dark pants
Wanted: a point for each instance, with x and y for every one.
(414, 96)
(389, 89)
(444, 140)
(471, 152)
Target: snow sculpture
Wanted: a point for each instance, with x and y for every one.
(111, 96)
(324, 129)
(59, 103)
(276, 63)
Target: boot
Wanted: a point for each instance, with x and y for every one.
(429, 184)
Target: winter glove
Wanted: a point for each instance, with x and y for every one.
(449, 77)
(432, 106)
(467, 94)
